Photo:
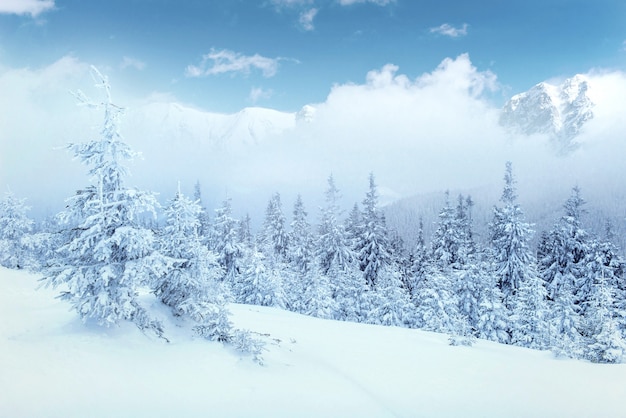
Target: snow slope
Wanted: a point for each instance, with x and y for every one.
(54, 366)
(203, 131)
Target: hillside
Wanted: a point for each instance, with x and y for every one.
(54, 366)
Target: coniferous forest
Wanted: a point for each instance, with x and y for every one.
(113, 242)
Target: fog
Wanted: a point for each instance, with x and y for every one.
(421, 135)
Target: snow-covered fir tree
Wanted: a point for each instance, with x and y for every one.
(602, 262)
(401, 260)
(349, 293)
(493, 316)
(15, 229)
(530, 315)
(447, 239)
(273, 239)
(224, 241)
(463, 223)
(204, 230)
(108, 253)
(353, 226)
(605, 343)
(244, 233)
(390, 303)
(333, 249)
(43, 242)
(301, 249)
(419, 260)
(564, 249)
(565, 338)
(372, 245)
(192, 288)
(471, 283)
(316, 299)
(437, 304)
(259, 283)
(302, 282)
(510, 238)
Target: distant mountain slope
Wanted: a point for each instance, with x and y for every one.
(178, 123)
(542, 210)
(557, 110)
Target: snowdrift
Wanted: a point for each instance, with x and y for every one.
(53, 365)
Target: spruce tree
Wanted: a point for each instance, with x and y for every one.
(274, 238)
(530, 312)
(463, 225)
(493, 321)
(510, 241)
(302, 280)
(565, 337)
(353, 226)
(192, 289)
(316, 299)
(470, 286)
(225, 243)
(333, 250)
(372, 246)
(204, 230)
(244, 233)
(108, 252)
(420, 260)
(447, 239)
(390, 303)
(437, 305)
(301, 251)
(605, 342)
(565, 249)
(350, 294)
(15, 229)
(259, 283)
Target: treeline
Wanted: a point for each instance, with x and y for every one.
(568, 296)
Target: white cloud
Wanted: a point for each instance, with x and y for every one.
(448, 30)
(26, 7)
(306, 19)
(36, 107)
(129, 62)
(378, 2)
(290, 3)
(258, 93)
(226, 61)
(417, 134)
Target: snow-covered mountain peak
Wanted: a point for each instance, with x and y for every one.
(182, 124)
(559, 110)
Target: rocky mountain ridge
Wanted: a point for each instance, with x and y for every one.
(558, 110)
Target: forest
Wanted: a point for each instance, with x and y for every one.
(113, 242)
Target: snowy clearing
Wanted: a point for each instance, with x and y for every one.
(55, 366)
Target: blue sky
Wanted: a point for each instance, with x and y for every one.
(223, 55)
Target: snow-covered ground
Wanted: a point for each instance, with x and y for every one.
(52, 365)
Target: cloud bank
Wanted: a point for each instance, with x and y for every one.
(377, 2)
(447, 29)
(418, 135)
(26, 7)
(306, 19)
(226, 61)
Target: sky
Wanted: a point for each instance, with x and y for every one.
(407, 89)
(223, 55)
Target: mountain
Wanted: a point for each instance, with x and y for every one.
(177, 123)
(556, 110)
(54, 365)
(542, 206)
